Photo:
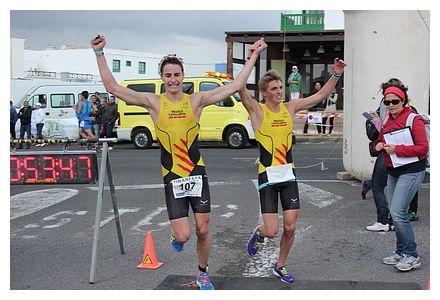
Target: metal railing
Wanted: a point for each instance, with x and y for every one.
(292, 22)
(66, 76)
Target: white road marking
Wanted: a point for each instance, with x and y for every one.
(158, 185)
(62, 221)
(148, 218)
(33, 225)
(121, 212)
(317, 196)
(261, 264)
(329, 181)
(30, 202)
(131, 187)
(28, 236)
(328, 158)
(227, 215)
(220, 183)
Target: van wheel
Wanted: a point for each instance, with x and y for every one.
(141, 138)
(236, 138)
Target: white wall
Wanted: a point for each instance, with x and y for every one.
(380, 45)
(84, 61)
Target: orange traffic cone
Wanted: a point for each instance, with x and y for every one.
(149, 260)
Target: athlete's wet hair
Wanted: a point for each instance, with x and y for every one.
(269, 76)
(171, 59)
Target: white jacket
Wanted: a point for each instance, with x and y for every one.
(38, 116)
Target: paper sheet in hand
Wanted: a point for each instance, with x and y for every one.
(400, 137)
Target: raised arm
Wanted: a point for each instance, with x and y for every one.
(253, 108)
(305, 103)
(123, 93)
(210, 97)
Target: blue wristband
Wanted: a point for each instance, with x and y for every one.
(335, 76)
(99, 52)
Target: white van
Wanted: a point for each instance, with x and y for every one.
(57, 101)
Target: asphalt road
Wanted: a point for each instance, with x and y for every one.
(51, 237)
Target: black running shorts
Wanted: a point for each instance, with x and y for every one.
(179, 208)
(289, 196)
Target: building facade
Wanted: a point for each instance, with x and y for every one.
(73, 64)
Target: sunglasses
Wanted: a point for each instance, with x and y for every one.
(394, 102)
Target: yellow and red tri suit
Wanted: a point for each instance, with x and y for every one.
(274, 139)
(177, 131)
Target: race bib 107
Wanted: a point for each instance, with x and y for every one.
(190, 186)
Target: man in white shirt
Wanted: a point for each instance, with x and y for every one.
(38, 119)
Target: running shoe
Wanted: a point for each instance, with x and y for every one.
(408, 262)
(283, 274)
(203, 281)
(254, 243)
(392, 259)
(365, 188)
(378, 227)
(178, 246)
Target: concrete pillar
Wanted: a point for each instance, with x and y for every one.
(380, 45)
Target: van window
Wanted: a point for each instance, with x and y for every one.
(208, 86)
(102, 95)
(38, 99)
(61, 100)
(147, 88)
(236, 96)
(187, 88)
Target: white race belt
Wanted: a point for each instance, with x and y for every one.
(281, 173)
(190, 186)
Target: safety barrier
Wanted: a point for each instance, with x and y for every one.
(302, 115)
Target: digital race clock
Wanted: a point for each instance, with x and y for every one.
(50, 167)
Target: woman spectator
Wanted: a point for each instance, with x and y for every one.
(404, 180)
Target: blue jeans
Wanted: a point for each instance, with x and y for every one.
(40, 130)
(378, 184)
(25, 129)
(401, 190)
(109, 129)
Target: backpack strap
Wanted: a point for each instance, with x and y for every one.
(410, 119)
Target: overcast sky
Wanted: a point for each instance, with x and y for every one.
(197, 36)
